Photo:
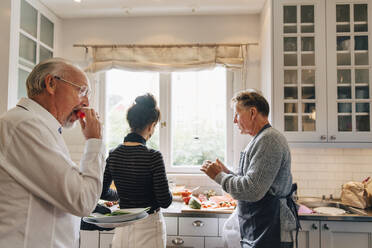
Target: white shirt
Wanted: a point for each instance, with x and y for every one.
(42, 191)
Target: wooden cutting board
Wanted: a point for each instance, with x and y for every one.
(187, 209)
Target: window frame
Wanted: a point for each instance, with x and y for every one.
(234, 84)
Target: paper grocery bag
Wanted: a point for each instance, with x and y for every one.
(354, 194)
(368, 188)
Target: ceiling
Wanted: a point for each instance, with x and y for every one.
(120, 8)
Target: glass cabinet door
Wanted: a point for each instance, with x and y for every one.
(299, 82)
(349, 73)
(36, 42)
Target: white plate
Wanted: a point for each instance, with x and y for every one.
(132, 214)
(329, 210)
(139, 217)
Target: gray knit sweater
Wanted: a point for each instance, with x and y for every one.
(266, 164)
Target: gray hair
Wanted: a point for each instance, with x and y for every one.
(36, 80)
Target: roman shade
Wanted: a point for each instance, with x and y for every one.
(166, 58)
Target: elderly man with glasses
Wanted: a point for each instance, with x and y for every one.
(43, 192)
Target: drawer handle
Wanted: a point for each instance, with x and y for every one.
(326, 227)
(198, 223)
(178, 241)
(315, 227)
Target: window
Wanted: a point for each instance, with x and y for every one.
(122, 87)
(194, 113)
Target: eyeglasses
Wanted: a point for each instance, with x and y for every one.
(83, 90)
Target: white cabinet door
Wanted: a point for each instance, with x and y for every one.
(214, 242)
(341, 234)
(299, 109)
(105, 240)
(171, 224)
(309, 236)
(185, 242)
(89, 239)
(349, 73)
(198, 226)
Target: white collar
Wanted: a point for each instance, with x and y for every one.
(36, 108)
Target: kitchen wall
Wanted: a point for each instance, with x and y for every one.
(5, 19)
(317, 171)
(162, 30)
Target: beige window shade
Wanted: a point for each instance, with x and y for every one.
(167, 58)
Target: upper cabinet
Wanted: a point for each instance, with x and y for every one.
(36, 42)
(322, 70)
(34, 35)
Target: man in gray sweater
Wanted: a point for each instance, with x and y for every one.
(263, 184)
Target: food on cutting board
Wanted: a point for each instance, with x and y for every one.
(210, 193)
(225, 202)
(194, 203)
(214, 202)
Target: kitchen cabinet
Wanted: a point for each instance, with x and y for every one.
(197, 232)
(337, 234)
(322, 70)
(332, 234)
(309, 235)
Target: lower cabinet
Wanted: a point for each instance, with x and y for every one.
(335, 234)
(194, 232)
(203, 232)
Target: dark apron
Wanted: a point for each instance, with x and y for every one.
(260, 221)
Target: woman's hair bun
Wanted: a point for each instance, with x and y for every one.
(142, 113)
(147, 100)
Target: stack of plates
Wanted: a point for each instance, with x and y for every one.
(131, 215)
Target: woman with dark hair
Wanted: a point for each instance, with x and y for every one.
(139, 176)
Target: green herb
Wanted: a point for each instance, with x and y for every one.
(118, 212)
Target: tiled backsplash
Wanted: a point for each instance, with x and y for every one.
(322, 171)
(317, 171)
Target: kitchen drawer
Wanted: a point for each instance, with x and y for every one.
(171, 225)
(105, 240)
(198, 226)
(214, 242)
(221, 222)
(189, 242)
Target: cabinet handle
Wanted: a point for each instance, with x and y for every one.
(323, 137)
(178, 241)
(198, 223)
(325, 226)
(315, 227)
(333, 137)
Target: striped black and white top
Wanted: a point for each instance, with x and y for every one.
(139, 176)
